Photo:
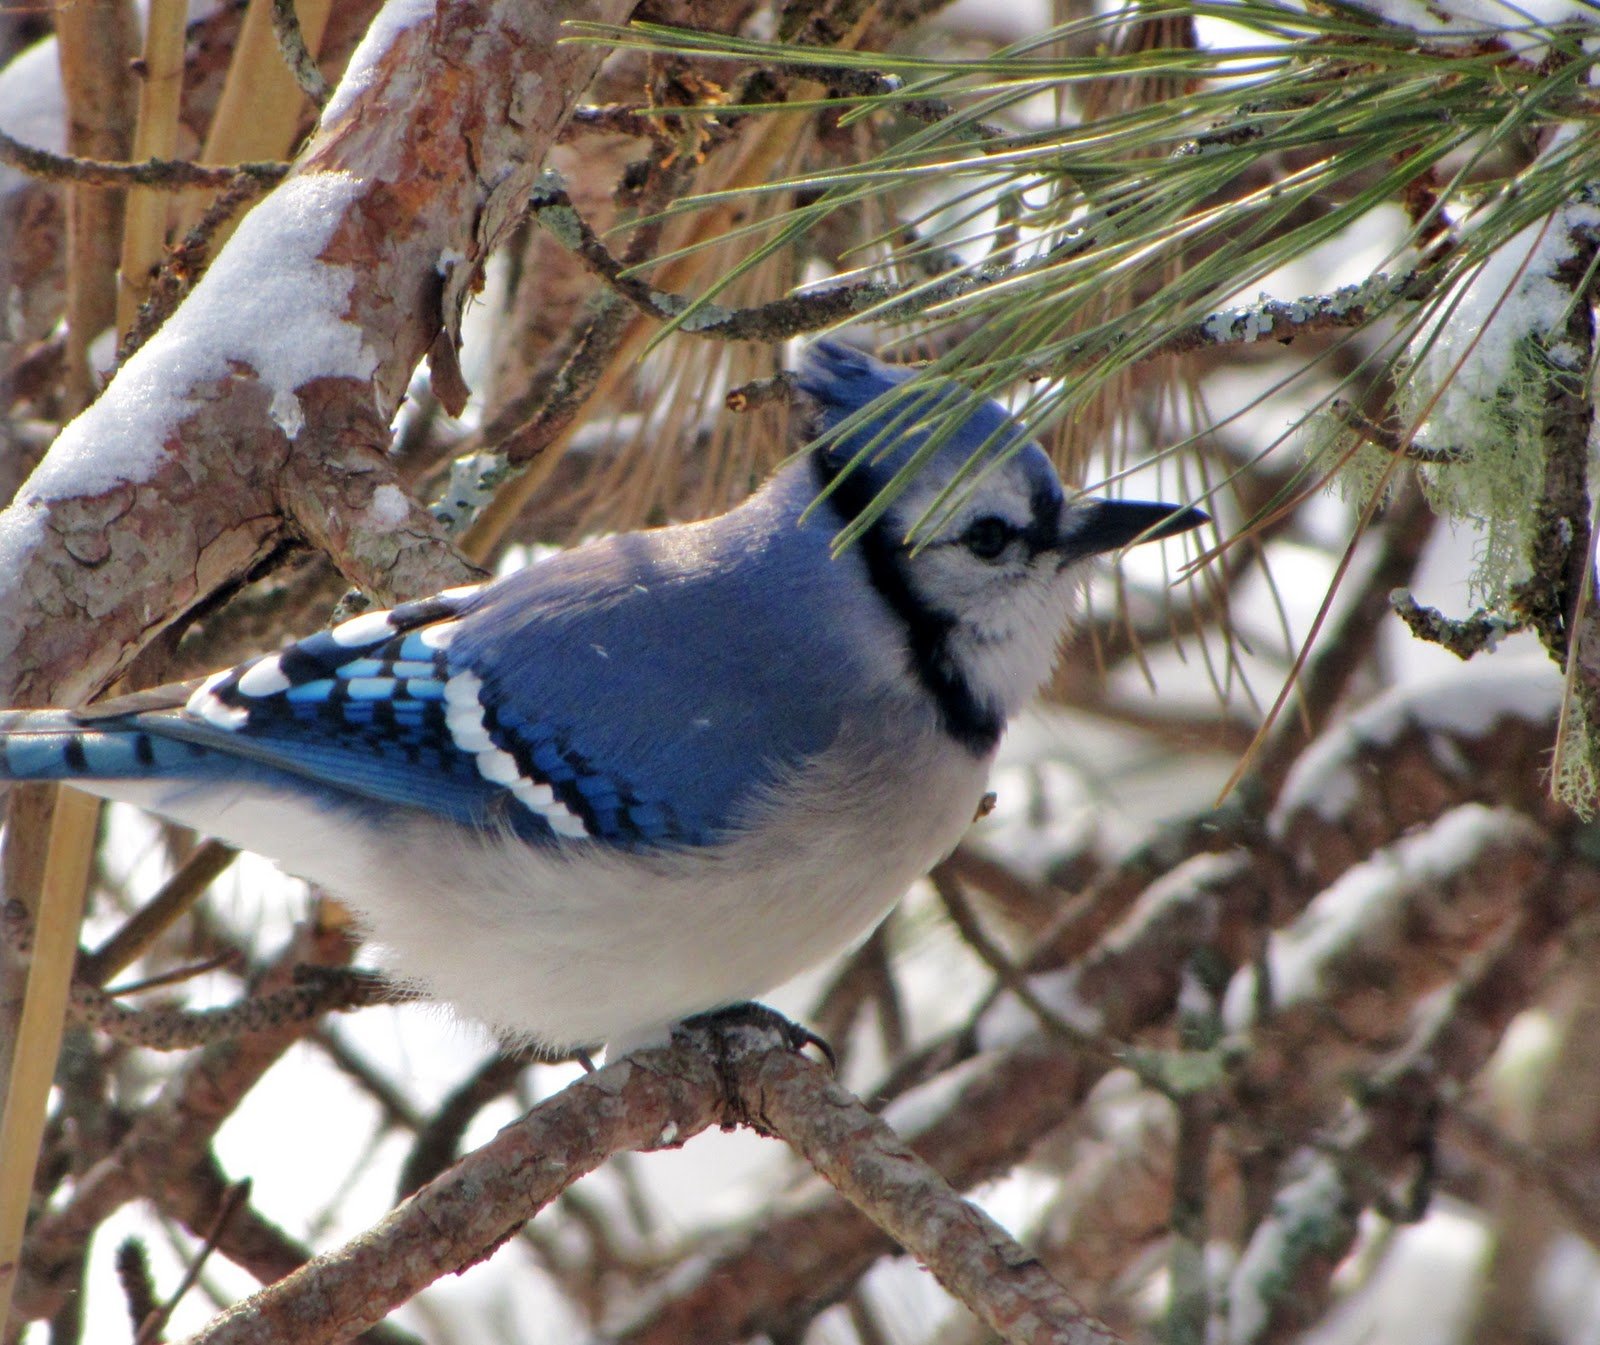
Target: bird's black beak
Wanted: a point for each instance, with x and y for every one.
(1096, 526)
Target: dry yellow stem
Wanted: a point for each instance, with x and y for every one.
(95, 39)
(156, 137)
(44, 1007)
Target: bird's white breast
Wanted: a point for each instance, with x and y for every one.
(583, 945)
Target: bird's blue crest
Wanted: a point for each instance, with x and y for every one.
(843, 382)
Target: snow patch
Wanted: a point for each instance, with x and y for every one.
(1465, 703)
(33, 108)
(1513, 297)
(22, 530)
(268, 301)
(1364, 906)
(1300, 1212)
(389, 508)
(286, 412)
(393, 19)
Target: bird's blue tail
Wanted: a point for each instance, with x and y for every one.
(56, 745)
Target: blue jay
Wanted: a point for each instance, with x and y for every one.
(661, 772)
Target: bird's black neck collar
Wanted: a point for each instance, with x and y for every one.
(973, 723)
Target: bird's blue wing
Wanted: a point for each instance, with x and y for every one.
(657, 682)
(359, 710)
(612, 694)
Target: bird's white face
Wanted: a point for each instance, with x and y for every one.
(998, 572)
(985, 594)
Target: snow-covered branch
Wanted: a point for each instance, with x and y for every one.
(261, 410)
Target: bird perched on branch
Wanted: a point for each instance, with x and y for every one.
(661, 772)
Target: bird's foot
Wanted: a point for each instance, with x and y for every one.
(749, 1014)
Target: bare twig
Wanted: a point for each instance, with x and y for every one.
(292, 44)
(1389, 439)
(438, 1141)
(177, 895)
(151, 1328)
(1462, 637)
(966, 920)
(321, 991)
(138, 1288)
(762, 392)
(169, 174)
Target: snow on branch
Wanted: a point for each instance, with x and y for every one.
(1283, 1279)
(260, 412)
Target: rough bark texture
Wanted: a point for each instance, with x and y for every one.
(446, 138)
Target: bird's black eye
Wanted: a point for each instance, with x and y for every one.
(988, 537)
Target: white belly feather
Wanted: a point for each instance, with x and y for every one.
(579, 948)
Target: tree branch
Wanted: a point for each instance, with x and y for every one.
(650, 1100)
(275, 418)
(171, 174)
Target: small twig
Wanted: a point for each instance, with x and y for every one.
(869, 84)
(398, 1111)
(292, 45)
(612, 118)
(319, 990)
(864, 980)
(1012, 977)
(151, 1329)
(230, 958)
(173, 174)
(1463, 637)
(439, 1140)
(1392, 440)
(177, 895)
(552, 208)
(761, 392)
(843, 83)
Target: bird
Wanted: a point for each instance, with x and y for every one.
(663, 771)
